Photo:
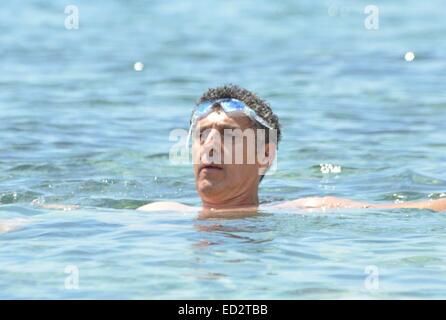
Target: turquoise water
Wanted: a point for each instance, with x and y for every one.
(79, 125)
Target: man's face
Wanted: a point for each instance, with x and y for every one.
(217, 179)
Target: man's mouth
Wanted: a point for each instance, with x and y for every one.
(211, 167)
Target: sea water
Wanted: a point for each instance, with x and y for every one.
(81, 124)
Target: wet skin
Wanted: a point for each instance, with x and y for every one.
(232, 189)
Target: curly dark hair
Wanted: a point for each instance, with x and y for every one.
(261, 107)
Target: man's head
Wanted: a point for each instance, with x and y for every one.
(235, 143)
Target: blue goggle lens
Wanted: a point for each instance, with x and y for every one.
(228, 105)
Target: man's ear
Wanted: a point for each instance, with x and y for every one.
(266, 156)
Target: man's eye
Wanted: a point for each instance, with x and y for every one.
(228, 136)
(203, 135)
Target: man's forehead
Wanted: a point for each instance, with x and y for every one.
(221, 119)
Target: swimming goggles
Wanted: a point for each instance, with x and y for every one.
(229, 106)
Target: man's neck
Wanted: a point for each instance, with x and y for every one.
(239, 202)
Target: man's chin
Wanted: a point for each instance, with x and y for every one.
(209, 188)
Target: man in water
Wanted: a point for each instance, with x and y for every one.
(229, 186)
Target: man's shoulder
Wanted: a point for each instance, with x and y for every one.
(166, 206)
(300, 203)
(321, 202)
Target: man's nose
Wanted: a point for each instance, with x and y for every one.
(212, 138)
(211, 147)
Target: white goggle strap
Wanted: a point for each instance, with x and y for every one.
(189, 135)
(251, 113)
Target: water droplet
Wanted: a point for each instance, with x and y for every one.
(138, 66)
(409, 56)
